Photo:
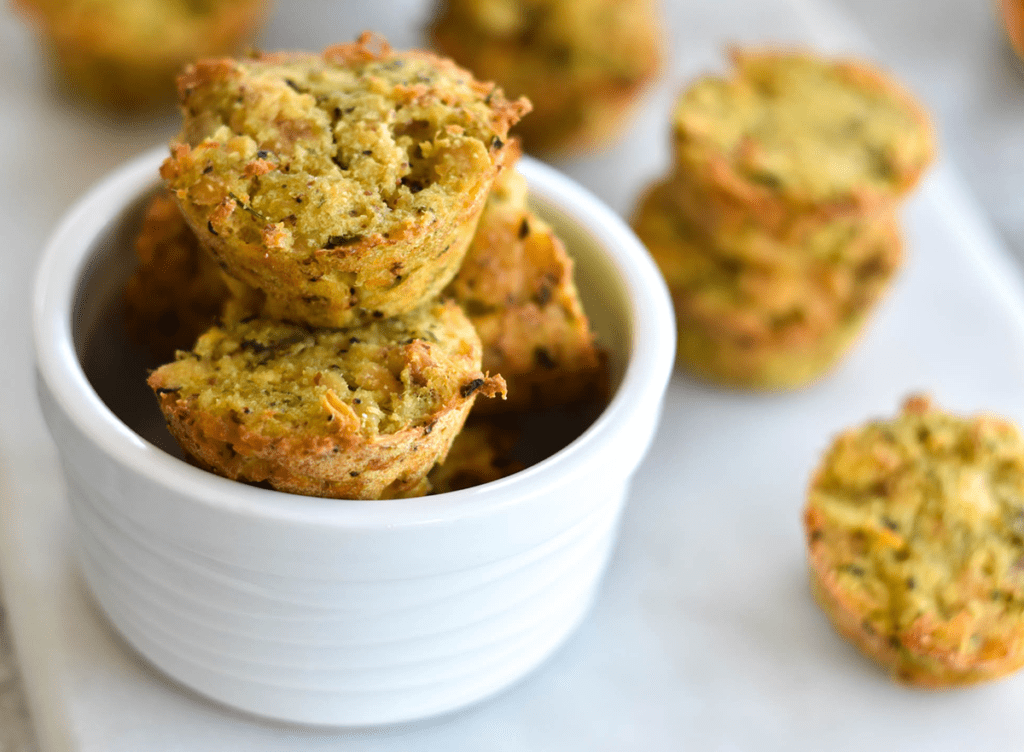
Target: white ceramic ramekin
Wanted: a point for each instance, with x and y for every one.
(344, 613)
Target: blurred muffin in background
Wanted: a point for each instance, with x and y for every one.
(776, 226)
(1013, 19)
(125, 54)
(582, 63)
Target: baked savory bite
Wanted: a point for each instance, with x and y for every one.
(176, 291)
(763, 325)
(360, 413)
(1012, 12)
(344, 186)
(126, 53)
(481, 453)
(517, 287)
(584, 64)
(793, 135)
(915, 528)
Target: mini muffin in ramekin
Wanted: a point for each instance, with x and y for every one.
(357, 413)
(334, 611)
(516, 285)
(343, 187)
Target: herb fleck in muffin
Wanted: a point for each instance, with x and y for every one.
(764, 323)
(126, 53)
(583, 63)
(915, 528)
(360, 413)
(344, 186)
(176, 291)
(516, 285)
(794, 134)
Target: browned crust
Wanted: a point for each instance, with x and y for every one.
(912, 658)
(176, 291)
(929, 651)
(356, 281)
(516, 285)
(342, 466)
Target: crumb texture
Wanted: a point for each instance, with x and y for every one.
(327, 412)
(340, 185)
(516, 285)
(916, 534)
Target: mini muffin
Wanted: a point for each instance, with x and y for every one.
(744, 236)
(584, 64)
(344, 186)
(763, 325)
(481, 453)
(793, 135)
(362, 413)
(516, 285)
(126, 53)
(1012, 12)
(916, 534)
(176, 291)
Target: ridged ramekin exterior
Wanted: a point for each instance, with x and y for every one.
(340, 613)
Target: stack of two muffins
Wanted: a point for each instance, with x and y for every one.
(339, 194)
(776, 230)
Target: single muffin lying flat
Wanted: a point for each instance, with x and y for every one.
(915, 528)
(584, 64)
(361, 413)
(126, 53)
(343, 187)
(176, 291)
(791, 135)
(516, 285)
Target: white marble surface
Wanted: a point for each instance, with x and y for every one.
(950, 52)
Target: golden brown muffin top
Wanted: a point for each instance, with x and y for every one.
(316, 152)
(278, 379)
(917, 525)
(801, 127)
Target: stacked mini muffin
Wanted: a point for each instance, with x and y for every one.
(339, 194)
(776, 229)
(319, 205)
